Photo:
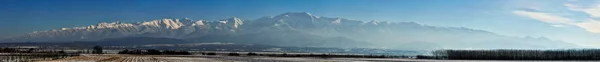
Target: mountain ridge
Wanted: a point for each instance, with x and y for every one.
(374, 32)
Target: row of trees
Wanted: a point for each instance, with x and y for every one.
(16, 50)
(28, 50)
(331, 55)
(96, 50)
(155, 52)
(582, 54)
(310, 55)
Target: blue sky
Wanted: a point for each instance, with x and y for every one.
(573, 21)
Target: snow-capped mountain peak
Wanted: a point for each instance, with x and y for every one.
(289, 28)
(296, 14)
(374, 22)
(198, 23)
(119, 29)
(105, 25)
(235, 22)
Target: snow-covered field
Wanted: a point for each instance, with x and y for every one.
(205, 58)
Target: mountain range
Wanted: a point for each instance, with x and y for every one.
(295, 29)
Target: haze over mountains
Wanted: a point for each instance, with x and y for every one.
(296, 29)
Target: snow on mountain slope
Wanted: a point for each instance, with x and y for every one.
(380, 34)
(171, 28)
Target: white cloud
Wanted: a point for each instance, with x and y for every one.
(558, 25)
(593, 11)
(544, 17)
(591, 26)
(572, 7)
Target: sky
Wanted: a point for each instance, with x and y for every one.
(573, 21)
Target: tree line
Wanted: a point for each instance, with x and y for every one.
(507, 54)
(154, 52)
(95, 50)
(308, 55)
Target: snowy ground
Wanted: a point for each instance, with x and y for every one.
(204, 58)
